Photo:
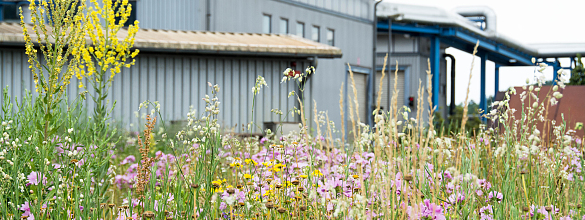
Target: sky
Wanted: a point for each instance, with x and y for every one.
(528, 22)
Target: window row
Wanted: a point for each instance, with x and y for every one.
(299, 29)
(10, 12)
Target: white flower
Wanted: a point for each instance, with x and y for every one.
(557, 95)
(286, 71)
(553, 101)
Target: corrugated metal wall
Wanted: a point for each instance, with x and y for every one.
(350, 20)
(178, 82)
(15, 72)
(172, 15)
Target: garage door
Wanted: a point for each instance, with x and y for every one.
(361, 82)
(388, 89)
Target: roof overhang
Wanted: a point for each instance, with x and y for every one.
(201, 42)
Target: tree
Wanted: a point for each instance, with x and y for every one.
(578, 74)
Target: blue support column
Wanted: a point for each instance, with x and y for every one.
(556, 68)
(483, 101)
(497, 80)
(1, 11)
(435, 68)
(571, 64)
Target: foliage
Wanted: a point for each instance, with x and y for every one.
(402, 168)
(578, 73)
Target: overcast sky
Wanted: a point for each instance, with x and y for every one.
(536, 21)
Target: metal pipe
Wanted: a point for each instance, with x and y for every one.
(371, 94)
(452, 105)
(488, 13)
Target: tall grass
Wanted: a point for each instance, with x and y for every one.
(401, 168)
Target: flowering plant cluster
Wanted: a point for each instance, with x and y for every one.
(57, 164)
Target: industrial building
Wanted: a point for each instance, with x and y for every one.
(186, 43)
(414, 34)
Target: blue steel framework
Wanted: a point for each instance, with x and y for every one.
(464, 40)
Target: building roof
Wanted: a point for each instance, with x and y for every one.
(428, 15)
(209, 42)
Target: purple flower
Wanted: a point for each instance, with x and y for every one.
(426, 210)
(33, 178)
(222, 206)
(26, 208)
(495, 195)
(486, 213)
(263, 140)
(128, 159)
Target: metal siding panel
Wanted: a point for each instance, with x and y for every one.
(143, 73)
(202, 82)
(259, 106)
(152, 79)
(17, 75)
(246, 85)
(185, 88)
(227, 95)
(8, 71)
(219, 76)
(211, 70)
(194, 85)
(178, 92)
(125, 104)
(282, 98)
(274, 88)
(169, 76)
(267, 93)
(241, 90)
(236, 94)
(135, 100)
(160, 85)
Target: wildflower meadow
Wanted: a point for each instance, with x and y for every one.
(61, 160)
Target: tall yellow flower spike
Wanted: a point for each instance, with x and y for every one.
(57, 40)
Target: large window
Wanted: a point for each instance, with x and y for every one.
(315, 33)
(9, 12)
(300, 29)
(283, 26)
(266, 24)
(330, 37)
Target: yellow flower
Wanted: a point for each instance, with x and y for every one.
(247, 176)
(317, 173)
(216, 182)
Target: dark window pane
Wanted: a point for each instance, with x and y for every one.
(315, 34)
(266, 24)
(132, 16)
(10, 12)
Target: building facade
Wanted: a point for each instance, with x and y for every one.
(178, 78)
